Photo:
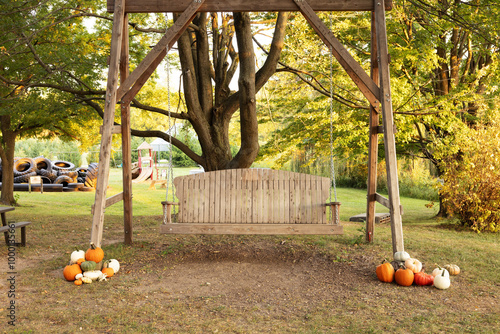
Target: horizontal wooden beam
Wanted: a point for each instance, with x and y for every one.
(155, 6)
(385, 202)
(110, 201)
(267, 229)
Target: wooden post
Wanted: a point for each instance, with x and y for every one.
(373, 144)
(388, 123)
(126, 141)
(108, 120)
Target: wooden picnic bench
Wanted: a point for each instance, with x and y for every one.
(251, 201)
(7, 226)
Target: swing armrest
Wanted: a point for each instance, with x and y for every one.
(167, 211)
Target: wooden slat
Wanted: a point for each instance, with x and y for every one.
(267, 229)
(275, 199)
(155, 6)
(205, 191)
(238, 200)
(222, 197)
(287, 182)
(351, 66)
(266, 197)
(248, 195)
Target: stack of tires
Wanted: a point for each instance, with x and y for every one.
(56, 175)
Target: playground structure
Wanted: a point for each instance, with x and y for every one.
(147, 167)
(375, 87)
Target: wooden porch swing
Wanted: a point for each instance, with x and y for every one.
(274, 192)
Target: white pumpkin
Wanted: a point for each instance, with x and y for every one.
(93, 274)
(78, 276)
(401, 256)
(114, 264)
(442, 281)
(77, 255)
(440, 271)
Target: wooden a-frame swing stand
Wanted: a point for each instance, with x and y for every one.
(375, 87)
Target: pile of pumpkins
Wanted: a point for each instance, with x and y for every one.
(88, 266)
(406, 271)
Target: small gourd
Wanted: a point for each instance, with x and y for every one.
(79, 276)
(76, 255)
(93, 275)
(385, 272)
(453, 269)
(442, 281)
(86, 280)
(422, 278)
(78, 282)
(88, 266)
(401, 256)
(414, 265)
(438, 271)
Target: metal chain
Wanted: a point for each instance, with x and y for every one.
(332, 166)
(170, 172)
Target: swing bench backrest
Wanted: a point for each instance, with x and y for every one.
(249, 197)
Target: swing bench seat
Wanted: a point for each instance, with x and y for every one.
(251, 201)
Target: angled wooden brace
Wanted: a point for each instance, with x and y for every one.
(365, 84)
(131, 86)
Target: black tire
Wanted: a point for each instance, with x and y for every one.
(24, 178)
(91, 178)
(71, 174)
(86, 189)
(66, 189)
(80, 179)
(75, 185)
(52, 176)
(53, 187)
(64, 180)
(46, 180)
(82, 171)
(62, 165)
(24, 166)
(43, 163)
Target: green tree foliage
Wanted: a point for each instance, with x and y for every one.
(471, 188)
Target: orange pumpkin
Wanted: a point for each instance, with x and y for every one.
(80, 261)
(78, 282)
(70, 271)
(385, 272)
(94, 253)
(108, 271)
(404, 277)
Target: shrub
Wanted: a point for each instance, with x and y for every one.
(471, 189)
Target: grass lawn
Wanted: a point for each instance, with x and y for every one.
(242, 284)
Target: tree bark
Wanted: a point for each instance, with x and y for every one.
(210, 110)
(7, 148)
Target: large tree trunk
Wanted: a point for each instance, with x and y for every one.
(7, 148)
(210, 109)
